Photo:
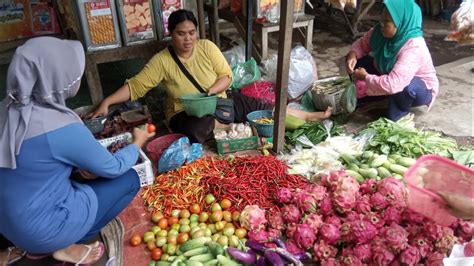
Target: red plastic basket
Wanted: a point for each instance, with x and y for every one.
(432, 174)
(156, 147)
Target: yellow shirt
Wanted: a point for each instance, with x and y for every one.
(206, 65)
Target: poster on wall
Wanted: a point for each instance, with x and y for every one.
(168, 7)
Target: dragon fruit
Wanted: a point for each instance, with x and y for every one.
(274, 233)
(465, 230)
(259, 235)
(285, 195)
(378, 202)
(434, 259)
(330, 262)
(362, 204)
(382, 256)
(346, 232)
(275, 220)
(445, 243)
(347, 183)
(291, 246)
(369, 186)
(363, 231)
(348, 257)
(304, 236)
(375, 219)
(412, 217)
(469, 249)
(343, 200)
(353, 216)
(324, 251)
(291, 213)
(318, 192)
(253, 218)
(314, 221)
(413, 230)
(410, 256)
(290, 230)
(392, 215)
(422, 244)
(329, 233)
(334, 220)
(363, 252)
(325, 207)
(396, 237)
(331, 180)
(393, 190)
(306, 202)
(432, 231)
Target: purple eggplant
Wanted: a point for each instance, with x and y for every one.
(274, 258)
(256, 246)
(302, 256)
(241, 256)
(278, 241)
(287, 255)
(261, 262)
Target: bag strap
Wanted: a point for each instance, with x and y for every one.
(184, 70)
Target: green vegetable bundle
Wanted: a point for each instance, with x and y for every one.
(404, 139)
(314, 131)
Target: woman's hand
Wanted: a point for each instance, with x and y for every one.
(351, 61)
(141, 136)
(102, 110)
(87, 175)
(459, 206)
(360, 73)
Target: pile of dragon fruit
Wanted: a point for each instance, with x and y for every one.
(342, 222)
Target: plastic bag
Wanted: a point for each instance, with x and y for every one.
(195, 152)
(175, 155)
(303, 72)
(270, 68)
(236, 55)
(462, 24)
(349, 99)
(244, 74)
(307, 102)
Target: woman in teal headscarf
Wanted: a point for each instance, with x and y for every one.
(400, 64)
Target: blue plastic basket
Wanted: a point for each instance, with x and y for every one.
(263, 130)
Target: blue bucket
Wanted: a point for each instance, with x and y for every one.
(263, 130)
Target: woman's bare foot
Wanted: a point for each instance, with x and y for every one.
(75, 253)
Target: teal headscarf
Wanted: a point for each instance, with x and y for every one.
(406, 16)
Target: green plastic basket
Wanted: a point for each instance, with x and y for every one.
(199, 104)
(263, 130)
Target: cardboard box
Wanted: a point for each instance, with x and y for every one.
(234, 145)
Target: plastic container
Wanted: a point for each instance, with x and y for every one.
(263, 130)
(137, 21)
(432, 174)
(156, 147)
(199, 104)
(99, 23)
(323, 99)
(144, 169)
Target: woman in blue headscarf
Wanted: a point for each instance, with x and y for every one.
(400, 64)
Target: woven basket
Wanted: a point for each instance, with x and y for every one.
(199, 104)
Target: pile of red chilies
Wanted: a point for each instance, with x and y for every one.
(252, 180)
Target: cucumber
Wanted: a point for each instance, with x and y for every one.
(391, 160)
(226, 261)
(203, 257)
(196, 251)
(162, 263)
(211, 262)
(355, 175)
(368, 173)
(397, 176)
(387, 163)
(194, 243)
(215, 248)
(367, 154)
(399, 169)
(364, 166)
(193, 263)
(353, 167)
(405, 161)
(394, 156)
(379, 161)
(383, 172)
(348, 158)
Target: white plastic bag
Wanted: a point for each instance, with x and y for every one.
(303, 72)
(462, 23)
(236, 55)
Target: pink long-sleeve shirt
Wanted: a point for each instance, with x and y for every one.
(413, 59)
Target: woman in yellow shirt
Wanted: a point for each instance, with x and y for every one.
(205, 62)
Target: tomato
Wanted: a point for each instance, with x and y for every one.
(241, 233)
(235, 216)
(148, 236)
(135, 240)
(184, 214)
(216, 216)
(156, 253)
(156, 217)
(210, 198)
(183, 237)
(203, 217)
(151, 128)
(151, 245)
(195, 208)
(163, 223)
(216, 207)
(227, 216)
(225, 204)
(172, 239)
(173, 220)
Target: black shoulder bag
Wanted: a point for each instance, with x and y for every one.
(224, 108)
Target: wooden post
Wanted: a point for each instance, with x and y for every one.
(202, 25)
(283, 70)
(248, 44)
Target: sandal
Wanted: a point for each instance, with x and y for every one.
(89, 249)
(14, 254)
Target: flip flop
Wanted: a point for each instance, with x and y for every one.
(12, 258)
(89, 249)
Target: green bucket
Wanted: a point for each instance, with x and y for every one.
(199, 104)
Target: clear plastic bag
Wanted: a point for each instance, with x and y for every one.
(462, 24)
(236, 55)
(245, 74)
(303, 72)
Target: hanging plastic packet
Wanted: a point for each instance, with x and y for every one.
(364, 138)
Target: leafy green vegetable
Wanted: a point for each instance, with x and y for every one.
(315, 132)
(464, 157)
(403, 138)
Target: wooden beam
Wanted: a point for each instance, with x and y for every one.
(283, 70)
(249, 30)
(201, 21)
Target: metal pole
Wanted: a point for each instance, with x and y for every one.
(248, 45)
(283, 70)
